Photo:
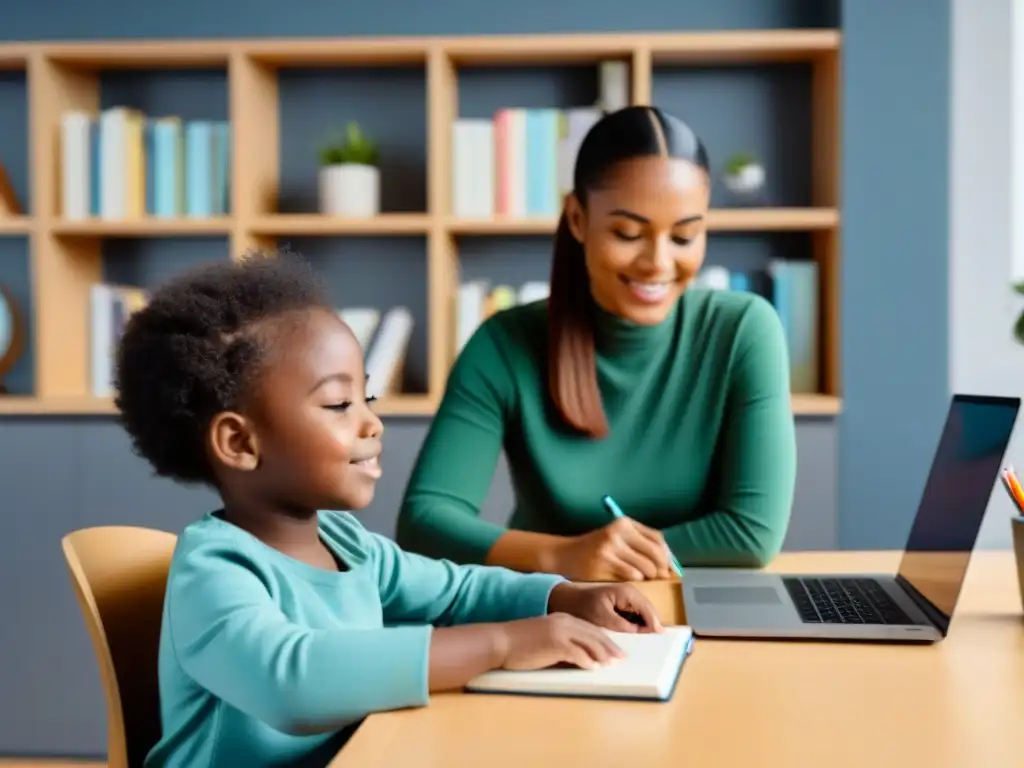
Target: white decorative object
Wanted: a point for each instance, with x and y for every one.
(744, 175)
(349, 183)
(350, 189)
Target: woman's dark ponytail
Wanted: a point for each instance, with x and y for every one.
(572, 364)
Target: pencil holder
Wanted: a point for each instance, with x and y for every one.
(1018, 550)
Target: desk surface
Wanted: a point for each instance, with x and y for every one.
(959, 702)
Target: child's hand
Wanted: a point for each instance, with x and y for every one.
(605, 604)
(555, 639)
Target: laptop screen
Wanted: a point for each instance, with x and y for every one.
(963, 474)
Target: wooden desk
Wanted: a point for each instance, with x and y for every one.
(957, 703)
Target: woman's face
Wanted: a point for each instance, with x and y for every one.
(644, 235)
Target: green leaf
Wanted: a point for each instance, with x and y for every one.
(1018, 328)
(350, 147)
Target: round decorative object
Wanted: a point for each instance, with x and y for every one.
(12, 333)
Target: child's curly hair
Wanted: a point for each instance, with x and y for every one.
(193, 350)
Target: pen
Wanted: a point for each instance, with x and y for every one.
(1013, 488)
(616, 511)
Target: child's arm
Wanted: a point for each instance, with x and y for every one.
(231, 638)
(414, 588)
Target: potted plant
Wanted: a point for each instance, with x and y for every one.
(744, 175)
(349, 176)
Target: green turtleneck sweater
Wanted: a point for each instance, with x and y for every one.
(702, 440)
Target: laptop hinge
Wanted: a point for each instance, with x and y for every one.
(935, 617)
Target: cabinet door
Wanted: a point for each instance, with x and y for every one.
(48, 672)
(815, 523)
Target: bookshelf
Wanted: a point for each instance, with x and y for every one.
(65, 257)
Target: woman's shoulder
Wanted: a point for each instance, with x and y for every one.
(726, 325)
(728, 312)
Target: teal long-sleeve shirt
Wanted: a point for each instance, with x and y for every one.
(702, 443)
(267, 661)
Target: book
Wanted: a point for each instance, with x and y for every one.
(649, 671)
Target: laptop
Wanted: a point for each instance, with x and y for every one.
(914, 605)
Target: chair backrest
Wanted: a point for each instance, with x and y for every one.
(119, 576)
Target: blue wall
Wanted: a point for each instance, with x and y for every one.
(895, 340)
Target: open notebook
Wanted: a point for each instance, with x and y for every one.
(649, 671)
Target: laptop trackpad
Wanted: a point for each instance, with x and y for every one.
(736, 596)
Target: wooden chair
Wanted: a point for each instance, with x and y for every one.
(119, 576)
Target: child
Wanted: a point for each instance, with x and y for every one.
(284, 625)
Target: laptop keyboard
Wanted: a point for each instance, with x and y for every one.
(843, 601)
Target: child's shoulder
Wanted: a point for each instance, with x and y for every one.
(211, 539)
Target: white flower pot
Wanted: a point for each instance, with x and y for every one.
(350, 190)
(748, 180)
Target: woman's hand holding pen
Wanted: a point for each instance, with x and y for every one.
(623, 550)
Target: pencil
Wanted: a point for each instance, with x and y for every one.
(1013, 488)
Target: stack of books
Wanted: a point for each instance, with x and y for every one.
(125, 165)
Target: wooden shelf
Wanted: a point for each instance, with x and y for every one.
(397, 405)
(720, 220)
(817, 405)
(745, 47)
(301, 224)
(13, 405)
(14, 57)
(328, 53)
(143, 227)
(736, 46)
(15, 225)
(156, 54)
(690, 47)
(66, 257)
(298, 224)
(772, 219)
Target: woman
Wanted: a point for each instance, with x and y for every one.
(672, 400)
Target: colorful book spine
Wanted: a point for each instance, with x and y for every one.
(473, 161)
(109, 310)
(542, 131)
(199, 169)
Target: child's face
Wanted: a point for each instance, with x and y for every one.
(315, 442)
